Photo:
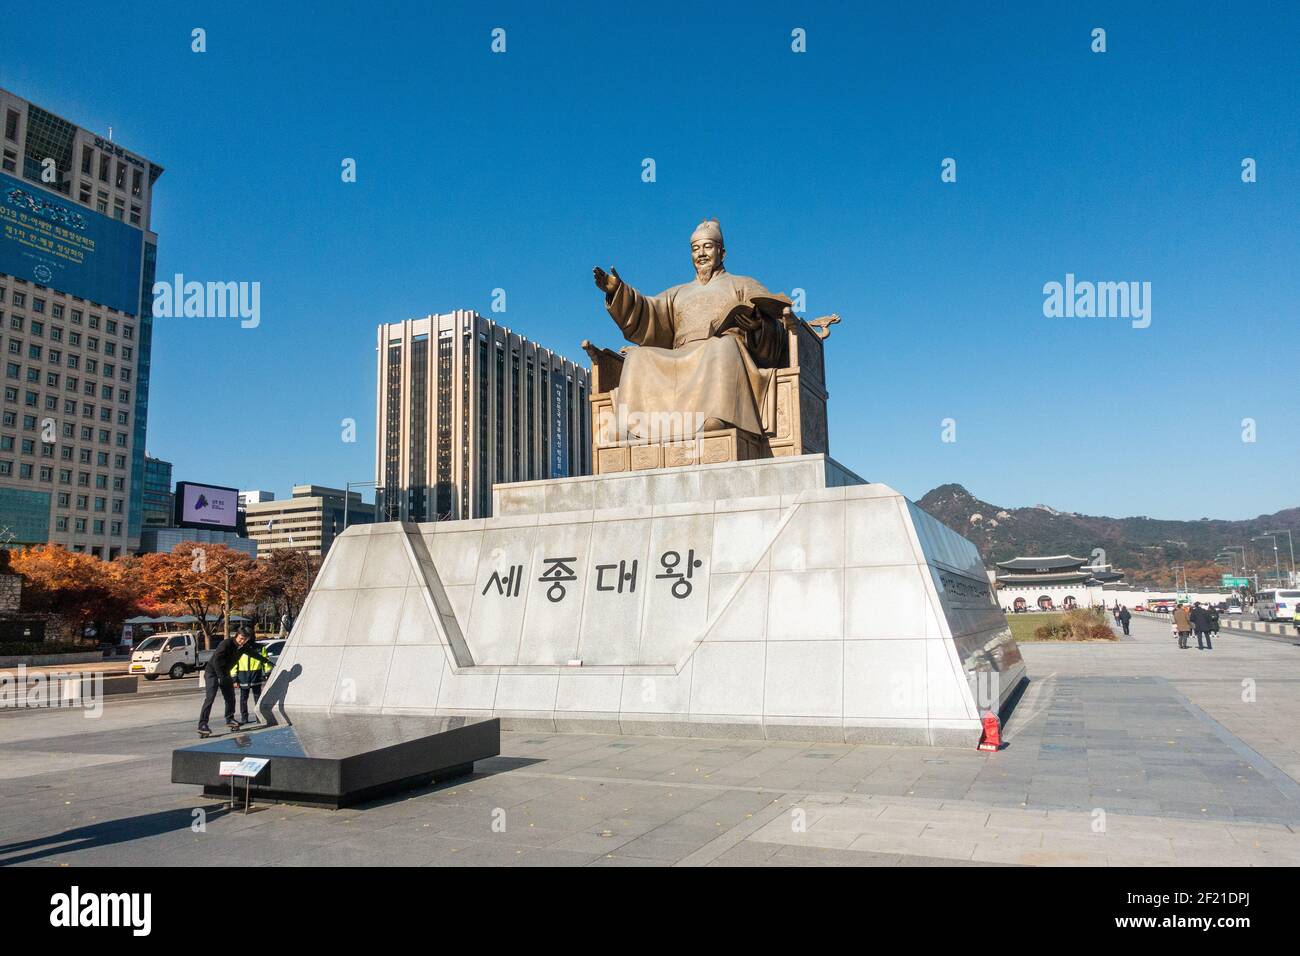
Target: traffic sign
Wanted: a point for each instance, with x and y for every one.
(1228, 581)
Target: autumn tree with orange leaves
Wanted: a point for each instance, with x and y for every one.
(207, 580)
(287, 576)
(76, 586)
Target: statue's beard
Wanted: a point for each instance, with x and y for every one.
(707, 271)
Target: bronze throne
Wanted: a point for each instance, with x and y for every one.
(800, 384)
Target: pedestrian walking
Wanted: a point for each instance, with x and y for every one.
(1124, 617)
(216, 675)
(249, 675)
(1200, 618)
(1214, 627)
(1182, 625)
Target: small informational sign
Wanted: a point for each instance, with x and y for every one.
(248, 767)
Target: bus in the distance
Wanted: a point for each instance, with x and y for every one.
(1277, 604)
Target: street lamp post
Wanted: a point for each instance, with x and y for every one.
(1176, 568)
(1290, 547)
(1242, 549)
(1277, 562)
(347, 495)
(1229, 557)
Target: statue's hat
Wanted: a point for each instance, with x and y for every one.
(709, 229)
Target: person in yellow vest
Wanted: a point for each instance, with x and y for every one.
(249, 673)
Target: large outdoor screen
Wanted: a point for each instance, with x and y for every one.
(54, 242)
(206, 506)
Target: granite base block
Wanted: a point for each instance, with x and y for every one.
(336, 760)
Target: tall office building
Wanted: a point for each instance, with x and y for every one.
(159, 504)
(464, 403)
(77, 259)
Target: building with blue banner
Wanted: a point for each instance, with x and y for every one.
(77, 261)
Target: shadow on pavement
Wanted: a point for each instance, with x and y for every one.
(488, 767)
(108, 833)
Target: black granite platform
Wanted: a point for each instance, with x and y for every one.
(334, 760)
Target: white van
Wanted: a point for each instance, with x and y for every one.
(170, 654)
(1277, 605)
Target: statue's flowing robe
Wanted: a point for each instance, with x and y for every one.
(688, 364)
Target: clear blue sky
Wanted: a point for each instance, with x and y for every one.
(523, 170)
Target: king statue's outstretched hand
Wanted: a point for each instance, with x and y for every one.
(607, 282)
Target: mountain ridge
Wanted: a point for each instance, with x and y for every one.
(1144, 548)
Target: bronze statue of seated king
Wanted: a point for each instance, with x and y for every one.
(722, 370)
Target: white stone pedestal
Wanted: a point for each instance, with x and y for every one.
(781, 598)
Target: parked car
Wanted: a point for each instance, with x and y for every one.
(172, 654)
(272, 650)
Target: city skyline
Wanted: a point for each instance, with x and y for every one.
(463, 188)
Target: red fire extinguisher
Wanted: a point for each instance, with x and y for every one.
(992, 737)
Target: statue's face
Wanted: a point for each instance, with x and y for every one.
(707, 256)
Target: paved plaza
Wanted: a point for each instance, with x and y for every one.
(1134, 753)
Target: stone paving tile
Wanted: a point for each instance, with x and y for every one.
(614, 860)
(597, 842)
(1025, 856)
(936, 847)
(966, 832)
(858, 826)
(829, 856)
(648, 847)
(747, 854)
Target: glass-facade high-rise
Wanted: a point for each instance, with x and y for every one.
(463, 404)
(157, 503)
(77, 261)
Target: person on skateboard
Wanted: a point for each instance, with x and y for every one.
(216, 676)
